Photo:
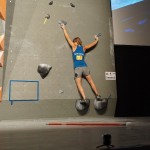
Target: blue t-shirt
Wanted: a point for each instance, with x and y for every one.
(78, 57)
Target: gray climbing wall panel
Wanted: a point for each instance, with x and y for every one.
(31, 40)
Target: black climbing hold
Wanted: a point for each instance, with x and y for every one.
(47, 16)
(98, 35)
(43, 70)
(82, 106)
(72, 5)
(62, 22)
(102, 104)
(51, 3)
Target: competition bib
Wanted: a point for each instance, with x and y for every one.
(79, 57)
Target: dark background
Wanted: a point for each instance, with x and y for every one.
(133, 80)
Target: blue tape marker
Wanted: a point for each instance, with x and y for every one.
(12, 100)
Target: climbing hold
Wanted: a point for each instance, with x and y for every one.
(98, 35)
(51, 3)
(81, 107)
(101, 104)
(61, 91)
(62, 22)
(72, 5)
(46, 18)
(43, 70)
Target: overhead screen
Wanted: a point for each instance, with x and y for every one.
(131, 22)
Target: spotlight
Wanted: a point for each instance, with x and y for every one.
(106, 141)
